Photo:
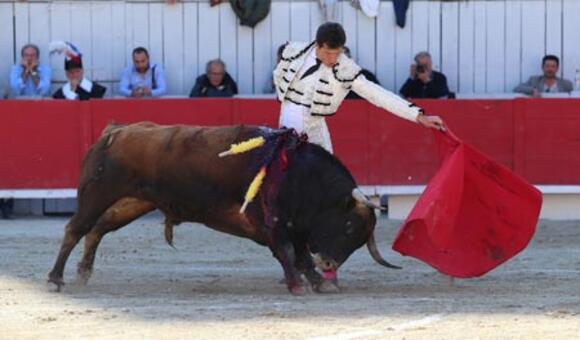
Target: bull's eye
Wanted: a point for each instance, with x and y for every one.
(350, 230)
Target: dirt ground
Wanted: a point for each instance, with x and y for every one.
(216, 286)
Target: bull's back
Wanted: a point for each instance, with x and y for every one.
(151, 150)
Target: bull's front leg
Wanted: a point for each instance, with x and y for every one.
(283, 249)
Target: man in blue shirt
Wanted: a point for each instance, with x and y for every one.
(142, 79)
(30, 78)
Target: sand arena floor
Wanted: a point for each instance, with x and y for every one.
(216, 286)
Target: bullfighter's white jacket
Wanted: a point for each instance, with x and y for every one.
(334, 84)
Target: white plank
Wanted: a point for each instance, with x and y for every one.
(208, 30)
(554, 28)
(300, 21)
(533, 37)
(60, 29)
(349, 23)
(480, 39)
(190, 44)
(173, 49)
(316, 18)
(403, 56)
(245, 78)
(435, 33)
(119, 50)
(81, 34)
(228, 50)
(159, 23)
(418, 16)
(466, 47)
(39, 34)
(263, 61)
(495, 47)
(571, 49)
(138, 14)
(281, 25)
(366, 41)
(129, 40)
(22, 21)
(386, 47)
(101, 40)
(6, 54)
(450, 43)
(513, 61)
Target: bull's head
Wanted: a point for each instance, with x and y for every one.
(343, 229)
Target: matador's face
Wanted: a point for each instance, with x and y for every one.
(328, 56)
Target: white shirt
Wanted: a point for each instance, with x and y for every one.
(297, 116)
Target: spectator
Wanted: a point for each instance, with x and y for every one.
(6, 206)
(270, 88)
(215, 83)
(78, 87)
(142, 79)
(547, 83)
(424, 82)
(30, 78)
(368, 74)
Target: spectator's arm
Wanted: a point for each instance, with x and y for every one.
(441, 90)
(567, 85)
(235, 87)
(43, 87)
(525, 88)
(125, 83)
(196, 90)
(161, 84)
(405, 90)
(16, 83)
(385, 99)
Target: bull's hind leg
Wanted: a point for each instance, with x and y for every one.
(123, 212)
(78, 226)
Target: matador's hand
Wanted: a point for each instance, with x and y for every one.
(433, 122)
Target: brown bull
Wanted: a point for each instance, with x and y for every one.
(308, 205)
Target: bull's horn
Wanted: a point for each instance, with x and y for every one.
(360, 197)
(372, 245)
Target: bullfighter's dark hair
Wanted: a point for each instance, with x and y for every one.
(550, 57)
(140, 49)
(330, 34)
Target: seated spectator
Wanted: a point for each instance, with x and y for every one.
(142, 79)
(270, 88)
(30, 78)
(6, 206)
(368, 74)
(546, 83)
(215, 83)
(78, 87)
(424, 82)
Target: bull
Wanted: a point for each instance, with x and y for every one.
(309, 211)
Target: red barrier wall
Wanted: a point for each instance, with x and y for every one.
(42, 142)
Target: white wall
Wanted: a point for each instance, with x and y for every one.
(482, 46)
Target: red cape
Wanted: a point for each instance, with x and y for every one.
(474, 214)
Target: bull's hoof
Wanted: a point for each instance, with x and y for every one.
(83, 274)
(327, 287)
(58, 281)
(298, 290)
(83, 277)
